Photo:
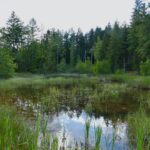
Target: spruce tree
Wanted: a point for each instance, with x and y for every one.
(14, 34)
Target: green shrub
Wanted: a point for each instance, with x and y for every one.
(84, 67)
(145, 67)
(119, 71)
(7, 66)
(102, 67)
(62, 67)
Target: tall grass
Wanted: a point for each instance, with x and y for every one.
(38, 81)
(98, 134)
(15, 134)
(64, 80)
(87, 129)
(139, 130)
(136, 81)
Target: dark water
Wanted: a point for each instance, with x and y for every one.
(67, 119)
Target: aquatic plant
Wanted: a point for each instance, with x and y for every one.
(139, 123)
(49, 94)
(87, 128)
(98, 134)
(15, 133)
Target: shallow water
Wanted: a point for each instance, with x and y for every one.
(67, 120)
(69, 126)
(72, 127)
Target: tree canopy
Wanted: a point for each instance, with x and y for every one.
(118, 47)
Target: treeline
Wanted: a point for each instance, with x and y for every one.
(117, 48)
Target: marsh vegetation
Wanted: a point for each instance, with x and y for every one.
(74, 112)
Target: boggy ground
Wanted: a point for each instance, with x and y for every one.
(115, 96)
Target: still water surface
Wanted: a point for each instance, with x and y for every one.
(68, 122)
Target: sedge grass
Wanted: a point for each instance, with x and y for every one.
(139, 130)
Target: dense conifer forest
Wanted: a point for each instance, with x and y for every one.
(117, 48)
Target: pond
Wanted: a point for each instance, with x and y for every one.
(72, 127)
(67, 111)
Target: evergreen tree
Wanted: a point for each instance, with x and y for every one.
(124, 55)
(106, 41)
(33, 30)
(66, 46)
(133, 37)
(98, 51)
(80, 45)
(14, 34)
(30, 59)
(73, 54)
(115, 47)
(122, 47)
(7, 66)
(144, 37)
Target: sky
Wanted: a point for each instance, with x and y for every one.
(66, 14)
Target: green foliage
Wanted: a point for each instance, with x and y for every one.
(55, 144)
(73, 55)
(115, 48)
(52, 48)
(98, 134)
(122, 45)
(144, 39)
(102, 67)
(7, 66)
(32, 30)
(88, 109)
(62, 67)
(15, 133)
(87, 133)
(118, 71)
(145, 67)
(56, 90)
(14, 34)
(84, 67)
(31, 59)
(98, 51)
(139, 123)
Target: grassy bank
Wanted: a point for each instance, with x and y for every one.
(136, 81)
(142, 82)
(102, 92)
(51, 92)
(38, 81)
